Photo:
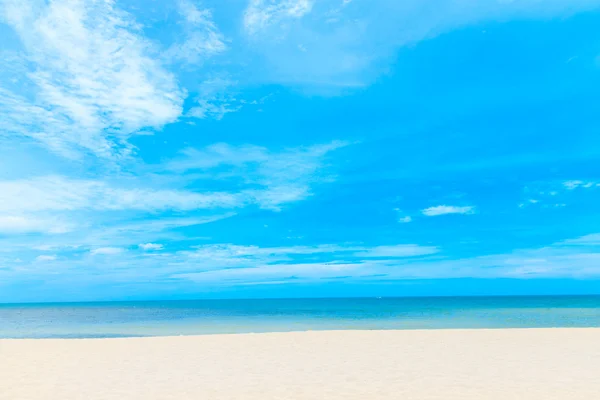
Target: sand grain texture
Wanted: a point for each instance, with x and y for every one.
(445, 364)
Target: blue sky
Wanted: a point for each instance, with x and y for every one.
(255, 148)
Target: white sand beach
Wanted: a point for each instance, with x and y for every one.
(439, 364)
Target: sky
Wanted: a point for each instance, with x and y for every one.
(296, 148)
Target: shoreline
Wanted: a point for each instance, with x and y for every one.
(532, 363)
(209, 334)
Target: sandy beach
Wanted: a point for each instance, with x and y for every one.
(437, 364)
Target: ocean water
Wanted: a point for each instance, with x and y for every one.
(160, 318)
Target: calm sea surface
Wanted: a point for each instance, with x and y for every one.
(122, 319)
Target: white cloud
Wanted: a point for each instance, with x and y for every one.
(11, 224)
(442, 210)
(261, 14)
(201, 38)
(45, 257)
(150, 246)
(93, 78)
(106, 251)
(575, 184)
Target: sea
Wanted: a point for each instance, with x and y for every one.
(198, 317)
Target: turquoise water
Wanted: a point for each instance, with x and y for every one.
(123, 319)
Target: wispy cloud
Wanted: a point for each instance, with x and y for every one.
(201, 37)
(216, 256)
(558, 260)
(282, 177)
(573, 258)
(92, 213)
(100, 231)
(215, 99)
(260, 14)
(443, 210)
(247, 264)
(94, 78)
(218, 265)
(238, 252)
(58, 193)
(221, 263)
(269, 179)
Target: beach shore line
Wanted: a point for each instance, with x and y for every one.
(407, 364)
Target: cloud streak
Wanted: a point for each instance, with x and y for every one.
(58, 193)
(444, 210)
